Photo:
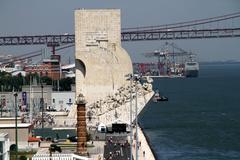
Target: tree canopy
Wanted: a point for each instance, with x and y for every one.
(10, 83)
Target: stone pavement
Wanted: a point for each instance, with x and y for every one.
(117, 147)
(96, 152)
(144, 151)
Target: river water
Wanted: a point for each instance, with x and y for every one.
(201, 120)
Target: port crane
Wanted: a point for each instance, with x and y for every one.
(167, 59)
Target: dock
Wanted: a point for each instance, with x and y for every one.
(144, 149)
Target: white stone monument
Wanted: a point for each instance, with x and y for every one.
(101, 62)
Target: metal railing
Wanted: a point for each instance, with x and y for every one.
(59, 157)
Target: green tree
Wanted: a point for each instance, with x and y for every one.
(23, 158)
(9, 83)
(46, 80)
(65, 84)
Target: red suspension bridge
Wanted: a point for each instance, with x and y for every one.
(215, 27)
(226, 26)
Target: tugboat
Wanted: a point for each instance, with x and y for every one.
(157, 97)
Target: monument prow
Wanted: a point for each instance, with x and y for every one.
(101, 62)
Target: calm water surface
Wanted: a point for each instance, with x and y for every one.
(201, 120)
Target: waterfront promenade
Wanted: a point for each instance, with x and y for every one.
(144, 151)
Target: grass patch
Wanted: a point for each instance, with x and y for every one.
(21, 154)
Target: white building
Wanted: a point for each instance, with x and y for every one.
(11, 69)
(63, 101)
(31, 96)
(7, 101)
(4, 146)
(24, 131)
(58, 100)
(68, 70)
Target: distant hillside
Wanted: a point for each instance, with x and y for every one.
(221, 62)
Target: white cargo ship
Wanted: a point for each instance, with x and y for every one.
(191, 69)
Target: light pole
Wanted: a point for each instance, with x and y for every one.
(1, 105)
(131, 129)
(30, 98)
(16, 127)
(42, 105)
(130, 78)
(136, 119)
(137, 79)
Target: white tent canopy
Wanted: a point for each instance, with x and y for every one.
(102, 127)
(118, 121)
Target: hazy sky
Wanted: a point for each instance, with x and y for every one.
(36, 17)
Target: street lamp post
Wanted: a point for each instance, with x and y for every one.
(1, 105)
(136, 118)
(16, 127)
(137, 80)
(130, 78)
(30, 99)
(131, 129)
(42, 105)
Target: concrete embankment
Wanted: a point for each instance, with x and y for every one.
(144, 148)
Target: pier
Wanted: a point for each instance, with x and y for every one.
(144, 150)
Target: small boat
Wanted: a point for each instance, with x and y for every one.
(157, 97)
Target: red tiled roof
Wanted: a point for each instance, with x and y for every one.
(33, 139)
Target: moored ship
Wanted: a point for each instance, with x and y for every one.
(191, 69)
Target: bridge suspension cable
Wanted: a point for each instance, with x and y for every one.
(173, 31)
(23, 55)
(184, 24)
(29, 55)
